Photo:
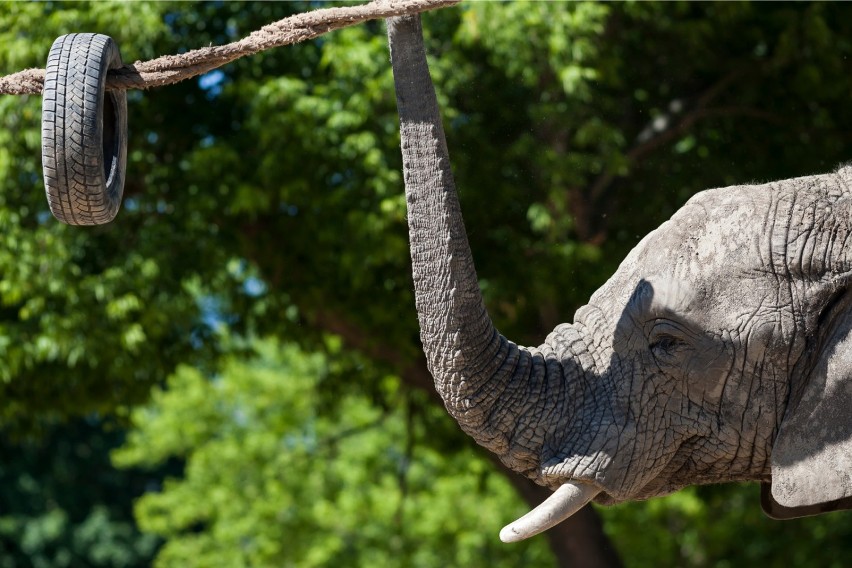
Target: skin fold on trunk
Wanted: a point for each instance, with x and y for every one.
(492, 387)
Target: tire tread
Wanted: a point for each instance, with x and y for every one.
(72, 149)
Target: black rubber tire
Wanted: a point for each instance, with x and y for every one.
(83, 131)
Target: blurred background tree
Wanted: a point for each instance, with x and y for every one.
(248, 318)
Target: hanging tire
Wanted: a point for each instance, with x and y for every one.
(83, 130)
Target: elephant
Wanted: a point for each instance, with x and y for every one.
(719, 351)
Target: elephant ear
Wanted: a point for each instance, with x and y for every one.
(812, 454)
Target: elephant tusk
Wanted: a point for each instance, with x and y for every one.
(564, 502)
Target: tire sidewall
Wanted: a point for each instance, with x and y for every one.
(113, 184)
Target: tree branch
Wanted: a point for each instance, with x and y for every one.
(700, 110)
(170, 69)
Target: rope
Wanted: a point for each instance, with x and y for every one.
(170, 69)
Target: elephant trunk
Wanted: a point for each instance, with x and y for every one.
(495, 389)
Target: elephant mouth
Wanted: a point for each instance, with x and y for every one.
(571, 496)
(573, 492)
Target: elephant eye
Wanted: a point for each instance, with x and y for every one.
(666, 344)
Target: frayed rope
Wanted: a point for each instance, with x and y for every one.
(170, 69)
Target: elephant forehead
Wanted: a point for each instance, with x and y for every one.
(717, 233)
(708, 254)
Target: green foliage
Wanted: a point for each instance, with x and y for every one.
(62, 504)
(88, 319)
(272, 480)
(266, 199)
(722, 526)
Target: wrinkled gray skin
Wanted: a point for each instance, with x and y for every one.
(717, 351)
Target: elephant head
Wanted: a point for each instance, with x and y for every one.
(720, 350)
